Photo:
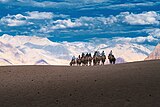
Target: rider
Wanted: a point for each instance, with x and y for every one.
(83, 54)
(95, 53)
(87, 55)
(73, 58)
(102, 54)
(110, 54)
(79, 57)
(98, 53)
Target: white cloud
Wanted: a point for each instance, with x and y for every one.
(129, 5)
(72, 3)
(114, 6)
(154, 32)
(19, 19)
(39, 15)
(153, 38)
(60, 16)
(43, 4)
(98, 20)
(18, 16)
(145, 18)
(88, 22)
(46, 4)
(136, 39)
(61, 24)
(14, 20)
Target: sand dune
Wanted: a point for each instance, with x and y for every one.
(122, 85)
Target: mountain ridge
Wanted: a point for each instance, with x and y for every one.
(24, 50)
(155, 54)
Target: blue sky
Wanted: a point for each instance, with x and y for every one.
(136, 21)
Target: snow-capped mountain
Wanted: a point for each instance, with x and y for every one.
(128, 52)
(41, 62)
(155, 54)
(120, 60)
(26, 50)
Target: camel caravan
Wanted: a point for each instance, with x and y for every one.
(88, 60)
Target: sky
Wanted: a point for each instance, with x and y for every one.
(134, 21)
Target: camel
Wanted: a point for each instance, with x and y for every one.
(112, 59)
(78, 61)
(90, 60)
(96, 60)
(103, 59)
(72, 63)
(84, 60)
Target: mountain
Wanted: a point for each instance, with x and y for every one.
(24, 50)
(120, 60)
(41, 62)
(155, 54)
(128, 52)
(5, 62)
(27, 50)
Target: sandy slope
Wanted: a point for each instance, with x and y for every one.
(124, 85)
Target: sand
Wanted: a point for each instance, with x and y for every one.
(123, 85)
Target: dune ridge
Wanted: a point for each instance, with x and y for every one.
(134, 84)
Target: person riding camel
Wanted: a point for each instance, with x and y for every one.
(87, 55)
(95, 53)
(73, 58)
(111, 58)
(102, 54)
(110, 54)
(79, 57)
(83, 55)
(98, 53)
(73, 61)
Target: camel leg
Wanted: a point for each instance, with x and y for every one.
(113, 62)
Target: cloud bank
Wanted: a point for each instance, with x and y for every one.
(136, 21)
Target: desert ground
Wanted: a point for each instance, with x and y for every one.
(134, 84)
